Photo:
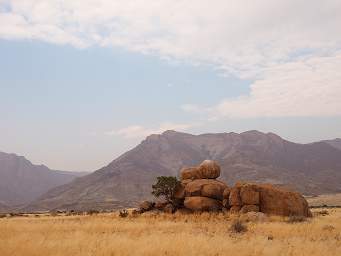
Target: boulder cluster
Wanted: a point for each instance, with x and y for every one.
(200, 190)
(266, 198)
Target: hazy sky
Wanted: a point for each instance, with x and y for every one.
(82, 81)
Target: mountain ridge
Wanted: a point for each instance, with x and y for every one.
(21, 181)
(252, 156)
(336, 143)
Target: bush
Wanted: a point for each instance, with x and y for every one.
(123, 213)
(296, 218)
(328, 227)
(323, 213)
(238, 227)
(2, 215)
(136, 212)
(54, 213)
(165, 187)
(92, 212)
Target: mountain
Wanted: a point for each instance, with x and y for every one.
(21, 181)
(4, 208)
(253, 156)
(336, 143)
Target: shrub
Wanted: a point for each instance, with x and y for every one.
(123, 213)
(328, 227)
(296, 218)
(165, 187)
(92, 212)
(136, 212)
(323, 213)
(54, 213)
(238, 227)
(2, 215)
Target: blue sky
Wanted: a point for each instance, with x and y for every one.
(80, 85)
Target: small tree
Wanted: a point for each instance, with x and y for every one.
(165, 187)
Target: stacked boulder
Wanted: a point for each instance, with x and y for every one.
(267, 198)
(199, 190)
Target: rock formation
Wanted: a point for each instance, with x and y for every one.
(200, 191)
(266, 198)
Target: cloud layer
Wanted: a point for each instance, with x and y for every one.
(307, 87)
(290, 49)
(241, 36)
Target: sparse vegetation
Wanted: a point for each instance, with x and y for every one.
(237, 226)
(165, 187)
(296, 218)
(163, 234)
(123, 213)
(322, 213)
(92, 212)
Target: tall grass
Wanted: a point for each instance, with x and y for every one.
(205, 234)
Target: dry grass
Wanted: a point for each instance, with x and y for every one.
(206, 234)
(329, 199)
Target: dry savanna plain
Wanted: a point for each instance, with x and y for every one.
(167, 234)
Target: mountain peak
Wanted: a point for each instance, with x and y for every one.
(251, 156)
(21, 181)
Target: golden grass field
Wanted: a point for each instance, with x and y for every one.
(205, 234)
(329, 199)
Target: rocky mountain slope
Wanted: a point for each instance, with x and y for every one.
(250, 156)
(3, 208)
(336, 143)
(21, 181)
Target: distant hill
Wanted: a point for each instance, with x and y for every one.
(21, 181)
(252, 156)
(3, 208)
(336, 143)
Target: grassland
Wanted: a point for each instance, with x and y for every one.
(205, 234)
(329, 199)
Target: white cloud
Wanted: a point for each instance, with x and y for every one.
(289, 48)
(191, 108)
(138, 131)
(241, 37)
(308, 87)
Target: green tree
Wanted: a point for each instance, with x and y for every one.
(165, 187)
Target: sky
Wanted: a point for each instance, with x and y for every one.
(83, 81)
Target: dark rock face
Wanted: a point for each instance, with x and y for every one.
(251, 156)
(201, 203)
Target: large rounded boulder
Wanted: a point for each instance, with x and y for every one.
(206, 187)
(209, 169)
(200, 203)
(279, 201)
(249, 194)
(190, 173)
(268, 199)
(234, 196)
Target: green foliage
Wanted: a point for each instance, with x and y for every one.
(165, 187)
